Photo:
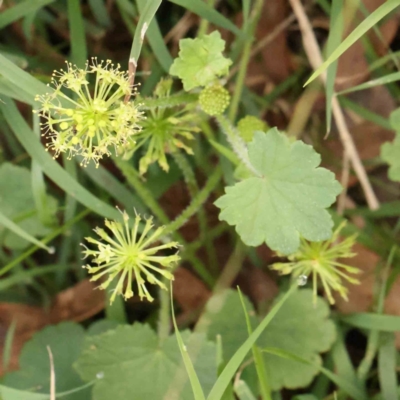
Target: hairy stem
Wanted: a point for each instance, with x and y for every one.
(193, 189)
(244, 61)
(196, 203)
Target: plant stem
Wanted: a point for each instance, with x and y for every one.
(244, 61)
(204, 22)
(193, 189)
(197, 202)
(232, 267)
(133, 178)
(164, 320)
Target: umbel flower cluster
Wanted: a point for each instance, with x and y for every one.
(88, 123)
(323, 260)
(164, 130)
(130, 255)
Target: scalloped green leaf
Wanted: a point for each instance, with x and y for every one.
(287, 200)
(390, 152)
(200, 61)
(300, 327)
(133, 362)
(66, 343)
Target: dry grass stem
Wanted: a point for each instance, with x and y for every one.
(315, 58)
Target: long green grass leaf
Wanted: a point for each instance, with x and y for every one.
(8, 344)
(45, 240)
(342, 383)
(12, 226)
(234, 363)
(10, 90)
(21, 10)
(387, 363)
(104, 179)
(385, 323)
(365, 113)
(77, 32)
(384, 80)
(262, 375)
(356, 34)
(156, 40)
(25, 276)
(203, 10)
(49, 166)
(143, 24)
(242, 390)
(100, 12)
(335, 35)
(21, 79)
(194, 380)
(340, 355)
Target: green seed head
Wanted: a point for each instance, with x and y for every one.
(214, 99)
(248, 125)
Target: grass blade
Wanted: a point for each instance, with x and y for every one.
(100, 12)
(334, 38)
(343, 365)
(24, 276)
(8, 344)
(387, 364)
(21, 79)
(50, 167)
(356, 34)
(234, 363)
(21, 10)
(144, 21)
(104, 179)
(77, 32)
(12, 226)
(203, 10)
(384, 80)
(9, 90)
(365, 113)
(242, 391)
(371, 321)
(156, 40)
(265, 390)
(38, 184)
(348, 387)
(194, 380)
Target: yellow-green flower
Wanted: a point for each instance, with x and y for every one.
(130, 255)
(79, 121)
(320, 260)
(164, 130)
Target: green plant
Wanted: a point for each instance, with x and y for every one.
(181, 144)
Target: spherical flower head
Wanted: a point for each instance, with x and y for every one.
(164, 130)
(214, 99)
(126, 254)
(322, 260)
(248, 125)
(88, 123)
